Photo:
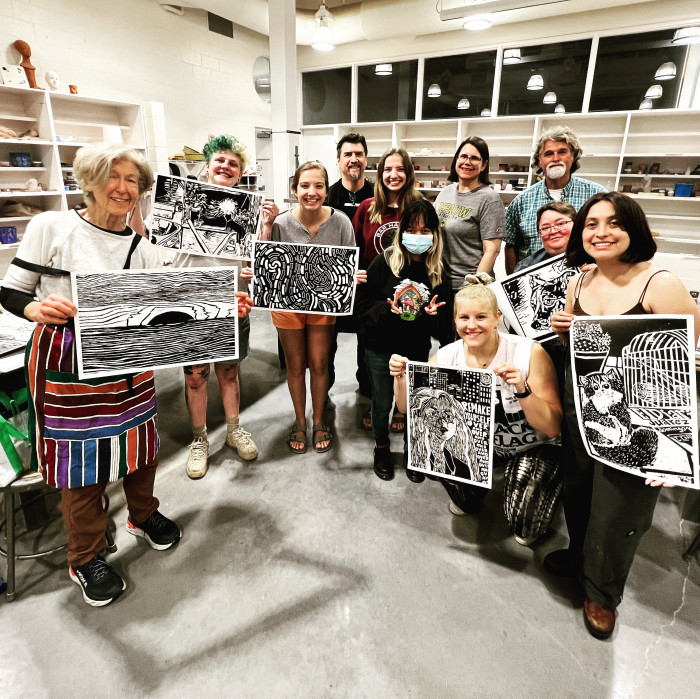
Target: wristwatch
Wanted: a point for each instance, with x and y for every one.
(527, 392)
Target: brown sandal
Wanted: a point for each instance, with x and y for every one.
(324, 436)
(293, 438)
(366, 422)
(398, 422)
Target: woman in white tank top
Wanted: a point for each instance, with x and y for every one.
(528, 413)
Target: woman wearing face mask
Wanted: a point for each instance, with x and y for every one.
(399, 309)
(376, 221)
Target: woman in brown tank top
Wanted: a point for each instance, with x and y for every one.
(608, 511)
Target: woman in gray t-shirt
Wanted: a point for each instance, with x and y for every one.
(306, 337)
(471, 214)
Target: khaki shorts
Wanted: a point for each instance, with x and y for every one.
(298, 321)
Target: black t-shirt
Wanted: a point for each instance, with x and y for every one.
(347, 201)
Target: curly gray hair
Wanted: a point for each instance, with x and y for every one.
(560, 134)
(93, 165)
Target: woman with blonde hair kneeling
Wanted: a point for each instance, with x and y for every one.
(528, 412)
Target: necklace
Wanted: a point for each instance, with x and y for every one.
(478, 362)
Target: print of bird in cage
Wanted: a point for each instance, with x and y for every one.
(657, 379)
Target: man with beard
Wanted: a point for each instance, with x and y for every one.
(352, 188)
(557, 155)
(346, 195)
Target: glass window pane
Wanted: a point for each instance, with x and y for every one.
(626, 67)
(326, 96)
(387, 97)
(467, 76)
(563, 68)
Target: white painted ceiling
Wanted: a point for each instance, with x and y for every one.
(358, 20)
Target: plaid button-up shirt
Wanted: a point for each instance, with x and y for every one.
(521, 215)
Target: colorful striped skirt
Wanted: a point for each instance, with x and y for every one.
(86, 431)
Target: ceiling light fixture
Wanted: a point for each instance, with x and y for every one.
(654, 92)
(535, 82)
(550, 98)
(559, 109)
(646, 104)
(686, 35)
(477, 24)
(511, 56)
(383, 69)
(323, 36)
(486, 112)
(666, 71)
(463, 103)
(434, 90)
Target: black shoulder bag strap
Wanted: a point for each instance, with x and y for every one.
(134, 242)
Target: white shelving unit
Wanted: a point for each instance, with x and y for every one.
(64, 123)
(612, 143)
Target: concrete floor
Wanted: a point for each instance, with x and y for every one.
(307, 576)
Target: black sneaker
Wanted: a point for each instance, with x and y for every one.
(98, 581)
(159, 531)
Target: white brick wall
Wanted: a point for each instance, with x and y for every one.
(133, 50)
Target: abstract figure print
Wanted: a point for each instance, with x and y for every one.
(450, 422)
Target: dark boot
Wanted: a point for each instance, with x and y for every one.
(413, 476)
(382, 463)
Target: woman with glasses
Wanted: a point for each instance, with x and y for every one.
(554, 223)
(471, 214)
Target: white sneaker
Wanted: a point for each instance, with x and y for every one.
(241, 441)
(197, 460)
(456, 510)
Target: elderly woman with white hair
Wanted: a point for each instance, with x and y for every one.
(88, 433)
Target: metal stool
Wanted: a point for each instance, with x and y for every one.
(30, 481)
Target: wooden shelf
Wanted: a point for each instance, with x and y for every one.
(14, 117)
(610, 140)
(26, 141)
(666, 177)
(90, 124)
(82, 118)
(662, 155)
(19, 193)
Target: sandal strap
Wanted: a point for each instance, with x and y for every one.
(324, 434)
(296, 429)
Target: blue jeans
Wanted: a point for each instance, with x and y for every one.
(382, 383)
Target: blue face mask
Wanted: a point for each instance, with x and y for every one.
(417, 244)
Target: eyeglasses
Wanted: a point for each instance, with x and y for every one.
(549, 228)
(471, 158)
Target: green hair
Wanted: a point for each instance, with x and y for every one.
(226, 144)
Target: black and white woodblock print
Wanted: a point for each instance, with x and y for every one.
(635, 394)
(14, 333)
(133, 320)
(303, 277)
(528, 298)
(204, 219)
(451, 422)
